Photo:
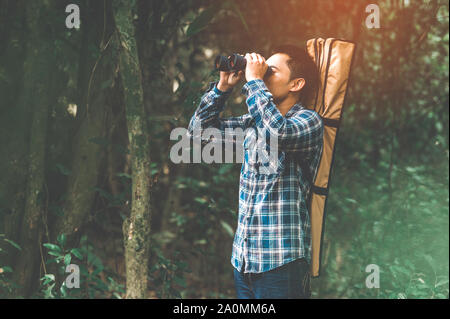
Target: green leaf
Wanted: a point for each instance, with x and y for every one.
(67, 259)
(48, 277)
(48, 292)
(76, 252)
(63, 289)
(441, 282)
(200, 242)
(200, 200)
(54, 253)
(227, 228)
(124, 175)
(52, 247)
(13, 244)
(61, 239)
(401, 295)
(6, 269)
(202, 20)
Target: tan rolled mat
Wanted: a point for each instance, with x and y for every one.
(333, 58)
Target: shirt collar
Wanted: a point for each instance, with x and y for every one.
(297, 107)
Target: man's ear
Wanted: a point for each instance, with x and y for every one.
(297, 84)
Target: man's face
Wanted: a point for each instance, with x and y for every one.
(278, 82)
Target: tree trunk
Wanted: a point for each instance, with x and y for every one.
(88, 151)
(15, 123)
(136, 228)
(37, 95)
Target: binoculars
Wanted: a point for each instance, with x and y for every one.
(235, 62)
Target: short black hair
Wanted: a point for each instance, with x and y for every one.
(301, 66)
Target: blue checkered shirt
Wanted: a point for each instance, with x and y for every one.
(273, 221)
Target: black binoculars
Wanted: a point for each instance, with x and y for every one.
(233, 63)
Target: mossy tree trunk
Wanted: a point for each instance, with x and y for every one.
(136, 228)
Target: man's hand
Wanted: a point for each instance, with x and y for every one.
(229, 79)
(256, 67)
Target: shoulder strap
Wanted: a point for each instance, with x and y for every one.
(305, 171)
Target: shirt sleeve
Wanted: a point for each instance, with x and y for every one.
(302, 132)
(207, 116)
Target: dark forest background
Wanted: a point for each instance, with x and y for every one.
(85, 122)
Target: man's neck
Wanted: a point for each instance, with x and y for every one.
(285, 105)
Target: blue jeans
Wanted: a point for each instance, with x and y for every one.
(290, 281)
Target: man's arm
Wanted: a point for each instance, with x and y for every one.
(207, 115)
(301, 133)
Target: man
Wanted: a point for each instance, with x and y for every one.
(272, 245)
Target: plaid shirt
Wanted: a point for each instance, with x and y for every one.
(273, 221)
